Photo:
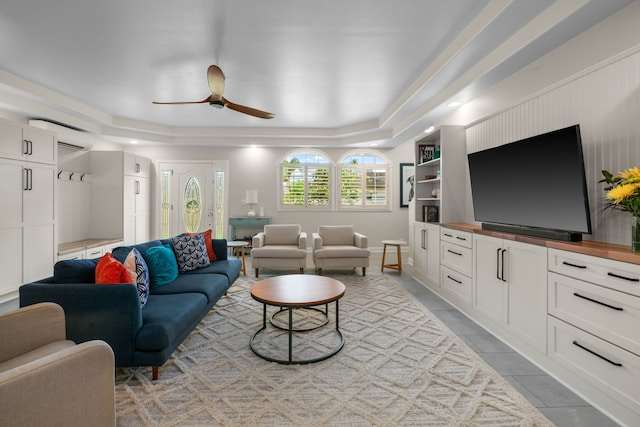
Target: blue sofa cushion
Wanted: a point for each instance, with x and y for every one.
(165, 319)
(191, 252)
(230, 268)
(75, 271)
(163, 267)
(120, 253)
(213, 286)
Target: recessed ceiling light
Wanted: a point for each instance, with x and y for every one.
(133, 141)
(429, 129)
(454, 104)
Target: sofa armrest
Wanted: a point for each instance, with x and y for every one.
(111, 313)
(302, 240)
(258, 240)
(29, 328)
(361, 241)
(316, 241)
(72, 387)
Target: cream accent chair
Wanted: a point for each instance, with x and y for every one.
(339, 246)
(279, 246)
(47, 380)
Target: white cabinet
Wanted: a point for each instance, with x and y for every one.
(594, 313)
(456, 261)
(120, 196)
(510, 287)
(27, 213)
(426, 252)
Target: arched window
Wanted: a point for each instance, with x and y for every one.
(305, 178)
(364, 182)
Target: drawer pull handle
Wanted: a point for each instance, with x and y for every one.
(457, 281)
(617, 276)
(573, 265)
(461, 238)
(448, 235)
(455, 253)
(598, 302)
(596, 354)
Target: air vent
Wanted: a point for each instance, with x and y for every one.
(74, 147)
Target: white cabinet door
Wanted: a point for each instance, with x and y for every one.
(420, 249)
(42, 146)
(12, 145)
(526, 279)
(136, 165)
(40, 222)
(433, 253)
(510, 287)
(488, 290)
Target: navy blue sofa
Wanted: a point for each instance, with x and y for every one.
(112, 313)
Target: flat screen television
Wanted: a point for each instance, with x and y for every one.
(535, 186)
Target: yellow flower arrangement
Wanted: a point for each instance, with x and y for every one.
(623, 192)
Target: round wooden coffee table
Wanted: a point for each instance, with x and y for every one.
(296, 291)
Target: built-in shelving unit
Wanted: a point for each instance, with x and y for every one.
(439, 175)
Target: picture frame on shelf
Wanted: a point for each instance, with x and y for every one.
(425, 152)
(431, 213)
(407, 181)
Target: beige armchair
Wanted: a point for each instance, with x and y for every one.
(46, 380)
(339, 246)
(279, 246)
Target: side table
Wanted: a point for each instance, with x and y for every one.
(397, 244)
(240, 244)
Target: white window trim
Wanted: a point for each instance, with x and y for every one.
(331, 180)
(360, 208)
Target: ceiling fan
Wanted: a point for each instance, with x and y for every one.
(215, 77)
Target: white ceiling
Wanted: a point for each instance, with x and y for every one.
(335, 72)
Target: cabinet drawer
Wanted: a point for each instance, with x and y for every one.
(456, 283)
(456, 237)
(621, 276)
(71, 256)
(94, 252)
(457, 258)
(609, 314)
(607, 367)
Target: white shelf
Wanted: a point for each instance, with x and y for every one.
(426, 181)
(425, 199)
(433, 162)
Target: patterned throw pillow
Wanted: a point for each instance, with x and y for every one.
(139, 271)
(110, 271)
(191, 252)
(163, 268)
(207, 241)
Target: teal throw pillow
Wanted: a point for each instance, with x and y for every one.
(163, 267)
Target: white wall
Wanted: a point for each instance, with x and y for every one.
(593, 80)
(256, 168)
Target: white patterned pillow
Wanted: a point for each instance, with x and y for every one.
(138, 270)
(191, 252)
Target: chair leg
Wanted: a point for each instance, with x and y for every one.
(257, 272)
(301, 270)
(319, 272)
(364, 271)
(154, 372)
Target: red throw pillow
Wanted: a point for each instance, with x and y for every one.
(109, 270)
(207, 242)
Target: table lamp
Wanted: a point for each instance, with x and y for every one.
(251, 198)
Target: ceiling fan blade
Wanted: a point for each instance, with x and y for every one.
(248, 110)
(207, 99)
(215, 77)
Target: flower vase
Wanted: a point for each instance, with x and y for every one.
(635, 234)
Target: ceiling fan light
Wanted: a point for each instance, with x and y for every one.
(217, 104)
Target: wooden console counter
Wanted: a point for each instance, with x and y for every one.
(586, 247)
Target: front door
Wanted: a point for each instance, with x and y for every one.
(193, 196)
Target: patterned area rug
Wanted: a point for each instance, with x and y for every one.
(399, 366)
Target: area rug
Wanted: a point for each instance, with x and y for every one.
(400, 366)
